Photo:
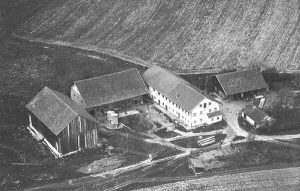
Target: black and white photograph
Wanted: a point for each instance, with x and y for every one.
(149, 95)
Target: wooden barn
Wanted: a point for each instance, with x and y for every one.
(240, 83)
(108, 92)
(63, 125)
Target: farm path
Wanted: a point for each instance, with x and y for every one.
(231, 111)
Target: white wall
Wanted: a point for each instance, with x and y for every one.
(251, 121)
(172, 108)
(199, 114)
(195, 118)
(76, 97)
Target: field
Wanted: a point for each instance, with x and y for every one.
(182, 35)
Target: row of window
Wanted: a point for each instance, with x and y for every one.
(212, 119)
(174, 104)
(204, 104)
(201, 112)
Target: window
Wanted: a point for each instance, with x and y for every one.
(209, 110)
(158, 93)
(215, 109)
(163, 96)
(212, 119)
(200, 105)
(201, 112)
(163, 103)
(194, 114)
(204, 105)
(209, 103)
(194, 122)
(218, 118)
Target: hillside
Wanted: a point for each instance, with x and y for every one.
(180, 34)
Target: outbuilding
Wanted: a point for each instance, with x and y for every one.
(109, 92)
(60, 123)
(256, 117)
(196, 165)
(240, 83)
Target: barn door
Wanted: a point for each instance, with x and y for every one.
(82, 140)
(95, 137)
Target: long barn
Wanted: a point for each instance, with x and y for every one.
(240, 83)
(61, 123)
(108, 92)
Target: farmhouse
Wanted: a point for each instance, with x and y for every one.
(113, 91)
(181, 100)
(256, 117)
(237, 84)
(62, 124)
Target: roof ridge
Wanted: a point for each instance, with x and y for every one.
(110, 74)
(191, 86)
(227, 73)
(54, 92)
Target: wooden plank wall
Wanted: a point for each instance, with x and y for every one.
(79, 134)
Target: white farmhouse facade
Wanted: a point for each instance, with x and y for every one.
(181, 100)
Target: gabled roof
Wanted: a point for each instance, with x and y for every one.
(241, 81)
(255, 113)
(55, 110)
(174, 87)
(111, 88)
(197, 163)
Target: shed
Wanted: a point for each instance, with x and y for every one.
(108, 90)
(240, 82)
(256, 117)
(65, 126)
(196, 165)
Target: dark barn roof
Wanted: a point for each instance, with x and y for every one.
(55, 109)
(111, 88)
(255, 113)
(174, 87)
(241, 81)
